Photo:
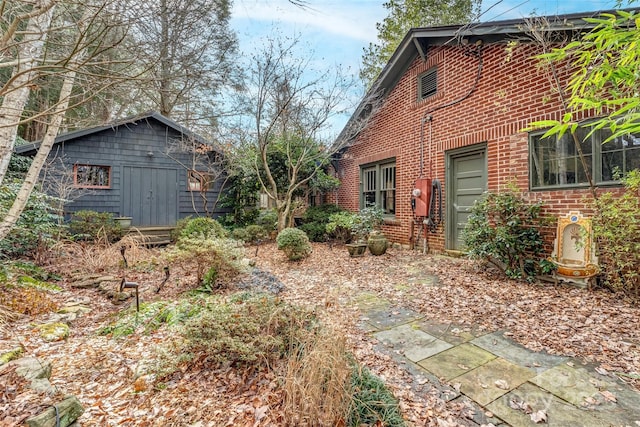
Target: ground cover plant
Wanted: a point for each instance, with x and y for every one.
(116, 380)
(616, 227)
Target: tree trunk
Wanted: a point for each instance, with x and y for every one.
(17, 90)
(31, 179)
(10, 219)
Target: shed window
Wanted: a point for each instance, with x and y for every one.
(379, 186)
(92, 176)
(198, 181)
(554, 162)
(427, 83)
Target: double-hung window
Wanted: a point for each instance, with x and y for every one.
(378, 183)
(556, 163)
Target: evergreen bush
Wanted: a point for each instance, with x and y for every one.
(340, 225)
(315, 220)
(37, 227)
(616, 229)
(205, 227)
(503, 229)
(295, 243)
(95, 226)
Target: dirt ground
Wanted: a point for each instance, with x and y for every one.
(107, 374)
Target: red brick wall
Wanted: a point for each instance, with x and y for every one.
(512, 92)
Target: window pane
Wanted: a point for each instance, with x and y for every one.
(611, 162)
(92, 176)
(388, 187)
(556, 161)
(632, 160)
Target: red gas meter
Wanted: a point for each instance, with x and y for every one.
(421, 197)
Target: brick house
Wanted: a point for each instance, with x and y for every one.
(455, 102)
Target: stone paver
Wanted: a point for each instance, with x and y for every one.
(456, 361)
(497, 343)
(452, 333)
(492, 380)
(559, 413)
(570, 384)
(416, 344)
(493, 373)
(385, 319)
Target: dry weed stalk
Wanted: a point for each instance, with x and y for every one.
(101, 256)
(317, 382)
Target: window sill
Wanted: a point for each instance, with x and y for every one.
(392, 222)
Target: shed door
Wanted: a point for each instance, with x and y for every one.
(150, 195)
(467, 176)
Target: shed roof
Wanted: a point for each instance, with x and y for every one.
(33, 146)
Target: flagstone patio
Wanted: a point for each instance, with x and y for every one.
(507, 383)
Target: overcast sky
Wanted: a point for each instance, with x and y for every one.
(337, 31)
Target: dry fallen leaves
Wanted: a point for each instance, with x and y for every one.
(592, 325)
(539, 417)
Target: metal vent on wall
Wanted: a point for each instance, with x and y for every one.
(428, 83)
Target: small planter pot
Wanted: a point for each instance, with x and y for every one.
(356, 249)
(377, 244)
(124, 222)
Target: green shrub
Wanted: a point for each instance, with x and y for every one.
(503, 229)
(340, 225)
(373, 403)
(268, 219)
(256, 232)
(177, 230)
(91, 225)
(36, 228)
(247, 329)
(295, 243)
(367, 220)
(200, 254)
(240, 234)
(616, 229)
(315, 220)
(205, 227)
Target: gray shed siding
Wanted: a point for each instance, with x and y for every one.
(125, 148)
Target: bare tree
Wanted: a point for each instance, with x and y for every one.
(189, 52)
(80, 34)
(25, 57)
(206, 166)
(58, 181)
(289, 110)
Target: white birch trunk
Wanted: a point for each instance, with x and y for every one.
(10, 219)
(29, 53)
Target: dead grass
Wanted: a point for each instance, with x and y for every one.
(101, 257)
(317, 383)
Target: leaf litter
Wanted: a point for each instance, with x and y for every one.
(104, 373)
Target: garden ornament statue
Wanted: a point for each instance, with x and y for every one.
(574, 254)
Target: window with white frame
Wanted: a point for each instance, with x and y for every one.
(379, 186)
(555, 162)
